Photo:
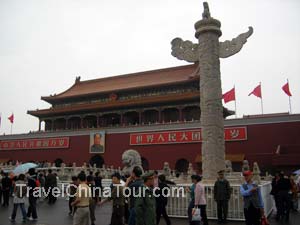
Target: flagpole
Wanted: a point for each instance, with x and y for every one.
(11, 128)
(235, 102)
(261, 100)
(289, 100)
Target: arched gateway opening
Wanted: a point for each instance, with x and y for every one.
(182, 165)
(98, 160)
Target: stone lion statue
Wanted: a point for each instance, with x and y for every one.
(130, 159)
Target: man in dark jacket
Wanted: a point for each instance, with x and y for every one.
(161, 200)
(145, 204)
(51, 182)
(6, 186)
(283, 188)
(32, 184)
(222, 194)
(134, 182)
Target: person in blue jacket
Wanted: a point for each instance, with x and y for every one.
(253, 203)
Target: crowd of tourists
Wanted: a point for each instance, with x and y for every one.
(285, 192)
(132, 208)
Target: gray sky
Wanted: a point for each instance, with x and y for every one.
(45, 44)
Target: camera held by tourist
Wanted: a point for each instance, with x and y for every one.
(222, 192)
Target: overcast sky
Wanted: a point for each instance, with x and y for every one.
(45, 44)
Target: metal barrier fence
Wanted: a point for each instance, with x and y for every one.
(178, 205)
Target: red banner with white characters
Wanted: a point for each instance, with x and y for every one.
(184, 136)
(29, 144)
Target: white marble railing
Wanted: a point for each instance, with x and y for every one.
(177, 206)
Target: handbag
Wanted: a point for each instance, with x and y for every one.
(264, 221)
(196, 215)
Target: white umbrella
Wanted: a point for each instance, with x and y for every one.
(23, 168)
(297, 172)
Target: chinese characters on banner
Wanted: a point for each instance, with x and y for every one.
(184, 136)
(29, 144)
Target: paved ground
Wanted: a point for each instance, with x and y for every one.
(58, 215)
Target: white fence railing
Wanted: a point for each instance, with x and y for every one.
(177, 206)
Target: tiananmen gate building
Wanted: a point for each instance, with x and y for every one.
(154, 112)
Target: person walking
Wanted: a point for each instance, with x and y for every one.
(191, 190)
(32, 184)
(293, 194)
(222, 192)
(200, 201)
(274, 190)
(19, 198)
(1, 176)
(73, 189)
(118, 199)
(50, 184)
(134, 182)
(253, 203)
(161, 200)
(145, 204)
(284, 204)
(98, 185)
(83, 194)
(93, 199)
(6, 186)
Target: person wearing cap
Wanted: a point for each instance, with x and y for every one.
(118, 199)
(253, 203)
(145, 204)
(222, 192)
(134, 182)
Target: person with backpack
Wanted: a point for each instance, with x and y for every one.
(32, 183)
(20, 191)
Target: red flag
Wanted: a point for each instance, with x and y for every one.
(229, 96)
(286, 89)
(256, 91)
(11, 118)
